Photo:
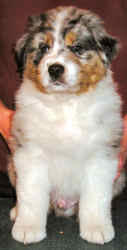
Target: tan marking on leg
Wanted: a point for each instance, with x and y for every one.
(11, 172)
(13, 213)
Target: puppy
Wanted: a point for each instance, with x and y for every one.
(67, 128)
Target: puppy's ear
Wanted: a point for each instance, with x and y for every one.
(20, 53)
(110, 47)
(22, 48)
(35, 22)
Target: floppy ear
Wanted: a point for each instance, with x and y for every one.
(35, 22)
(20, 53)
(110, 47)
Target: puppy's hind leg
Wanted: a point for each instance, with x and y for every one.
(32, 189)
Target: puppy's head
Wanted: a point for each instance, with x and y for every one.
(65, 50)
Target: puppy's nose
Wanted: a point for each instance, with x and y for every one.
(55, 71)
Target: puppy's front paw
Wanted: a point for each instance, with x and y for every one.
(98, 234)
(27, 233)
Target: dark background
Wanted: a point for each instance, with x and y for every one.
(13, 17)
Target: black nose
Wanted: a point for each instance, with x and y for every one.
(55, 71)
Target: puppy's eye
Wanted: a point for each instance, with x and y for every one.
(77, 49)
(44, 48)
(89, 56)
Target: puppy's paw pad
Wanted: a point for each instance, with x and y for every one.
(27, 234)
(98, 234)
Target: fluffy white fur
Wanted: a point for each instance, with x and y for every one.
(66, 148)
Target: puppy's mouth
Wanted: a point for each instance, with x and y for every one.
(61, 87)
(59, 83)
(58, 86)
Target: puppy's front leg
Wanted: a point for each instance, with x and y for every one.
(95, 203)
(32, 189)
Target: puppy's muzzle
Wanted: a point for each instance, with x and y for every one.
(56, 71)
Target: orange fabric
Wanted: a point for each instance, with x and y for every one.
(5, 120)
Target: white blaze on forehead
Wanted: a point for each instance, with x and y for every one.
(58, 26)
(55, 56)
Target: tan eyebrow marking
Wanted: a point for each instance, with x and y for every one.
(70, 38)
(48, 39)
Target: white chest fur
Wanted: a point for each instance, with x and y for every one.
(69, 129)
(66, 120)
